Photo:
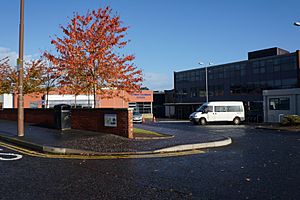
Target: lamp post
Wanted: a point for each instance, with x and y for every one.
(206, 80)
(297, 23)
(206, 85)
(20, 62)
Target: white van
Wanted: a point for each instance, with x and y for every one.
(219, 111)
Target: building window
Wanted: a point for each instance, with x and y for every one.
(262, 70)
(282, 103)
(217, 90)
(141, 107)
(277, 83)
(289, 83)
(255, 70)
(235, 89)
(71, 102)
(201, 93)
(289, 67)
(276, 68)
(193, 76)
(243, 72)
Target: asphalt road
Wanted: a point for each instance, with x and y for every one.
(260, 164)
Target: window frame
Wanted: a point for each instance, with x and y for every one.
(279, 103)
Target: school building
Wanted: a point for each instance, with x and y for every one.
(266, 69)
(140, 101)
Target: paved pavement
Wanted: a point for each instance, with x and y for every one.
(79, 142)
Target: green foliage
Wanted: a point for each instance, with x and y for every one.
(290, 120)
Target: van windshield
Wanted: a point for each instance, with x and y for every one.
(201, 108)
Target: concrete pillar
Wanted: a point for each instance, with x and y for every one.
(265, 107)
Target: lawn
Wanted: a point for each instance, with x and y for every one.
(139, 131)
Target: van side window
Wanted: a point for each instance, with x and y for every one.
(220, 108)
(234, 109)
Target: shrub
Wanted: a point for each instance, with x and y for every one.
(290, 120)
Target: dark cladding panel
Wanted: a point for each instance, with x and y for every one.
(266, 53)
(298, 66)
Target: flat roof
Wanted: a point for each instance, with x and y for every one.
(237, 62)
(281, 92)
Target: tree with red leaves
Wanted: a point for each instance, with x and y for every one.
(50, 77)
(34, 71)
(7, 76)
(89, 56)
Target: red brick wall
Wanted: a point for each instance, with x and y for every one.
(36, 116)
(41, 117)
(9, 114)
(93, 120)
(82, 119)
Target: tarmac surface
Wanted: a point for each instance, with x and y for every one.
(259, 164)
(81, 142)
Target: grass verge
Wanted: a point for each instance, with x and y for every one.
(139, 131)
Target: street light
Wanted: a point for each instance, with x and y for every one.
(297, 23)
(206, 79)
(20, 62)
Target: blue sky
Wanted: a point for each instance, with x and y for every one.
(166, 35)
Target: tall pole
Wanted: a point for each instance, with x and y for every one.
(206, 85)
(20, 67)
(206, 79)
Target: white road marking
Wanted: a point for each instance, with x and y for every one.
(9, 156)
(13, 156)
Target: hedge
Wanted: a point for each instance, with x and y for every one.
(291, 120)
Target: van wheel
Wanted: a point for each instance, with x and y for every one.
(202, 121)
(237, 121)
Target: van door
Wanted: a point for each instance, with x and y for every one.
(221, 113)
(210, 114)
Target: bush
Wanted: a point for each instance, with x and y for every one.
(290, 120)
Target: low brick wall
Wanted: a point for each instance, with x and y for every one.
(82, 119)
(9, 114)
(93, 120)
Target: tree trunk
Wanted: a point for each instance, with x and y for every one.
(88, 98)
(75, 100)
(47, 96)
(94, 85)
(95, 100)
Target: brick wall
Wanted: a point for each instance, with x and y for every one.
(82, 119)
(93, 120)
(37, 116)
(9, 114)
(41, 117)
